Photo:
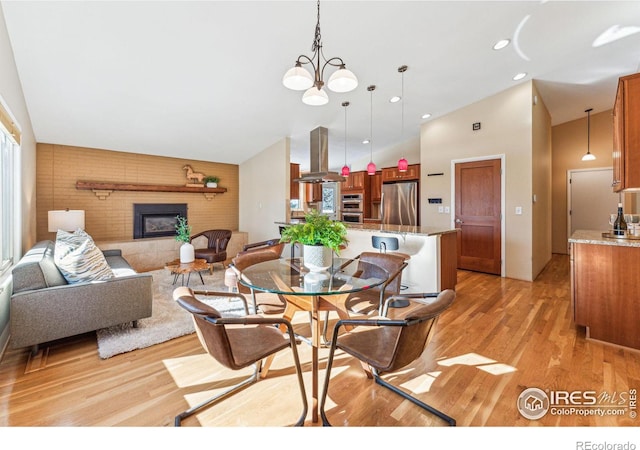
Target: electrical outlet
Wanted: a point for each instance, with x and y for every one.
(440, 209)
(519, 210)
(446, 210)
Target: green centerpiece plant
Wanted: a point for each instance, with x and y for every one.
(318, 231)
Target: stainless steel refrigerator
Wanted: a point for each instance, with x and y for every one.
(399, 203)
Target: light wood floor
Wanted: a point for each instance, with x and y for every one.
(500, 337)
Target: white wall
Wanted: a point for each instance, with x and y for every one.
(12, 96)
(264, 192)
(506, 129)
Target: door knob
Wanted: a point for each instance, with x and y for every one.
(459, 221)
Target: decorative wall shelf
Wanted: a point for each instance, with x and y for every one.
(102, 190)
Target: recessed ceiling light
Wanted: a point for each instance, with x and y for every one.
(426, 116)
(613, 34)
(394, 99)
(519, 76)
(366, 141)
(501, 44)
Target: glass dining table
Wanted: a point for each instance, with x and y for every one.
(313, 292)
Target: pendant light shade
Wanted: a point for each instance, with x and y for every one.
(297, 78)
(342, 80)
(345, 169)
(403, 165)
(371, 167)
(588, 156)
(315, 97)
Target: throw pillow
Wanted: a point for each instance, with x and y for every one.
(79, 259)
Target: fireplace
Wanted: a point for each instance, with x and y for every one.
(151, 220)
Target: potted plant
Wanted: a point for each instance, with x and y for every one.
(211, 181)
(183, 234)
(320, 236)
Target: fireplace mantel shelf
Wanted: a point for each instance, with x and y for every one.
(103, 189)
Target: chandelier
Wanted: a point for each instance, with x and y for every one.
(298, 78)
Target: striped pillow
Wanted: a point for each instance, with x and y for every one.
(79, 259)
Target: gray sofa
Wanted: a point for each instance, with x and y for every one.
(45, 308)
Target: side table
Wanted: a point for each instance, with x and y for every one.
(177, 268)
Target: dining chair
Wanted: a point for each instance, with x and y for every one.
(387, 345)
(263, 302)
(236, 343)
(370, 301)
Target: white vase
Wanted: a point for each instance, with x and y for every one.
(317, 258)
(187, 253)
(212, 185)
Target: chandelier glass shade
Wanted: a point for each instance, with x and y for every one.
(345, 169)
(588, 156)
(299, 78)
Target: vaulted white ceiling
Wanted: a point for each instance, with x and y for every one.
(203, 80)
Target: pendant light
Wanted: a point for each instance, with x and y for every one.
(588, 156)
(345, 169)
(403, 165)
(371, 167)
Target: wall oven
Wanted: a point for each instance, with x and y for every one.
(352, 217)
(351, 208)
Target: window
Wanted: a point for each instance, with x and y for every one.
(9, 138)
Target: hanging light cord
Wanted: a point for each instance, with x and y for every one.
(588, 130)
(371, 88)
(345, 104)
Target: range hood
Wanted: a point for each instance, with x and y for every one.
(319, 160)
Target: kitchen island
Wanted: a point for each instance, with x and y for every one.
(432, 263)
(605, 292)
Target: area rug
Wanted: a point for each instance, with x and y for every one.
(168, 319)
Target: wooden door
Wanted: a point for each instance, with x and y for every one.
(478, 215)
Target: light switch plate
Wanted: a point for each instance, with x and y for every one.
(446, 210)
(518, 210)
(440, 209)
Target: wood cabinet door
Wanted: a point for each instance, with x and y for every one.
(626, 135)
(375, 186)
(354, 182)
(294, 189)
(393, 174)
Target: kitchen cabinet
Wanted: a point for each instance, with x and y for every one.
(393, 174)
(295, 186)
(626, 134)
(313, 192)
(354, 182)
(605, 294)
(375, 187)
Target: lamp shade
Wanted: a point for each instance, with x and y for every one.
(342, 80)
(371, 168)
(403, 165)
(588, 157)
(66, 220)
(345, 171)
(315, 97)
(297, 78)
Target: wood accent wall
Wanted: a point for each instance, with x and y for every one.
(59, 167)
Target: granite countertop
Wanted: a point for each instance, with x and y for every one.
(384, 228)
(595, 237)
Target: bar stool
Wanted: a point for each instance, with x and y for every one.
(384, 243)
